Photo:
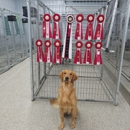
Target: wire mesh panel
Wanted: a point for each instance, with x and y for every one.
(96, 82)
(4, 61)
(126, 62)
(14, 43)
(117, 38)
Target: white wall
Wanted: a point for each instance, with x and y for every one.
(13, 5)
(19, 4)
(8, 4)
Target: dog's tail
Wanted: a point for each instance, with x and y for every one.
(54, 103)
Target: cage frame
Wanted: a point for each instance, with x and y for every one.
(43, 79)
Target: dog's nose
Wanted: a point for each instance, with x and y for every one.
(66, 78)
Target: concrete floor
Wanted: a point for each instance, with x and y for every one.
(17, 112)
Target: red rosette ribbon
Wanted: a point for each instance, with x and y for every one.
(78, 54)
(56, 33)
(48, 54)
(40, 54)
(88, 54)
(79, 30)
(89, 29)
(57, 54)
(47, 33)
(98, 54)
(99, 34)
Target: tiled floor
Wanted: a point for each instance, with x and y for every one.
(17, 112)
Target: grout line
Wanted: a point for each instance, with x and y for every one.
(13, 75)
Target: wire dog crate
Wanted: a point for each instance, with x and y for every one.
(95, 83)
(14, 45)
(118, 42)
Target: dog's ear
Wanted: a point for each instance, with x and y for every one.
(75, 77)
(61, 75)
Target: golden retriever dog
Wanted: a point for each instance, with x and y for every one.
(67, 101)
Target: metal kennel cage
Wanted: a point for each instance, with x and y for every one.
(95, 83)
(126, 60)
(118, 44)
(126, 63)
(14, 45)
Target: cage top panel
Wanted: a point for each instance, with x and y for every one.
(75, 6)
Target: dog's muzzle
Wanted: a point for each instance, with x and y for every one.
(66, 79)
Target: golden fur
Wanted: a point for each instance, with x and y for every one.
(67, 101)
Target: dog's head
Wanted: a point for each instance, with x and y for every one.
(68, 76)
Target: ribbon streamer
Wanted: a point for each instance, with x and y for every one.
(88, 54)
(78, 54)
(98, 55)
(40, 54)
(47, 33)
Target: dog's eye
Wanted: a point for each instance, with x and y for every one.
(65, 73)
(70, 73)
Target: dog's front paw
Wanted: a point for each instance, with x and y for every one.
(72, 125)
(61, 126)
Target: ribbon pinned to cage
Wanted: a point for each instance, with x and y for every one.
(88, 54)
(47, 33)
(89, 29)
(78, 54)
(56, 33)
(67, 46)
(79, 30)
(99, 34)
(48, 54)
(98, 54)
(57, 54)
(40, 54)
